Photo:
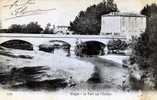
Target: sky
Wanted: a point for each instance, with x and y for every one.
(57, 12)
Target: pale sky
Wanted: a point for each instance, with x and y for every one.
(65, 10)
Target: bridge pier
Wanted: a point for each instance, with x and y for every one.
(35, 48)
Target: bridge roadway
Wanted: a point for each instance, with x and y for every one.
(37, 39)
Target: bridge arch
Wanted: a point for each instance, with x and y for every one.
(17, 44)
(90, 48)
(57, 42)
(56, 45)
(94, 41)
(60, 41)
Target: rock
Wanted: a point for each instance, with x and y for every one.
(22, 75)
(2, 48)
(43, 85)
(25, 56)
(95, 77)
(10, 54)
(7, 53)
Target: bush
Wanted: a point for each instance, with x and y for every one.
(114, 46)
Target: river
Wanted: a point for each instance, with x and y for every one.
(88, 72)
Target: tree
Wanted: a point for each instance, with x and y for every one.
(116, 45)
(144, 51)
(147, 43)
(149, 10)
(89, 21)
(48, 30)
(32, 27)
(15, 28)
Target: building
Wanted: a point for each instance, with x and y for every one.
(123, 24)
(61, 29)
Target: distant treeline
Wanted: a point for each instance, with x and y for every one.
(32, 27)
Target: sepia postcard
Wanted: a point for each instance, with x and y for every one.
(78, 49)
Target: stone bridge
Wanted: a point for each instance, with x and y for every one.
(37, 39)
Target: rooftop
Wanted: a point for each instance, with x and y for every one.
(62, 26)
(124, 14)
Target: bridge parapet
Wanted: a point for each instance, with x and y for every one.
(37, 39)
(58, 36)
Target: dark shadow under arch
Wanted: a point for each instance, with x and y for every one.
(17, 44)
(90, 48)
(94, 42)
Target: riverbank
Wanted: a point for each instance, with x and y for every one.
(111, 73)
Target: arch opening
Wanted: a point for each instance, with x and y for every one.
(57, 47)
(17, 44)
(60, 44)
(90, 48)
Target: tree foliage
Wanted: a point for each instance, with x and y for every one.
(149, 10)
(32, 27)
(145, 49)
(48, 30)
(117, 45)
(146, 45)
(89, 21)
